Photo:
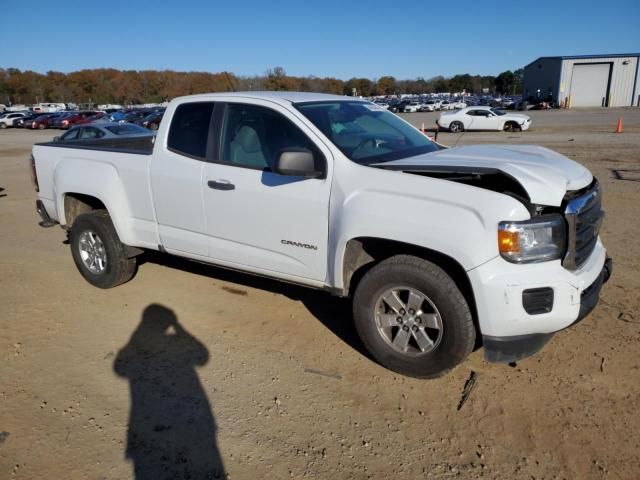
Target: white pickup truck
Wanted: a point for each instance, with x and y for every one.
(440, 249)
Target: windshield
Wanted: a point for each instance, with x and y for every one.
(497, 111)
(366, 133)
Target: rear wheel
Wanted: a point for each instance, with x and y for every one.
(97, 251)
(412, 317)
(3, 125)
(456, 127)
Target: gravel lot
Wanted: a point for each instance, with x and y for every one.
(255, 379)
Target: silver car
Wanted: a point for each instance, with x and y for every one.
(94, 131)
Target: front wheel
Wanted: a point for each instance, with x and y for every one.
(412, 317)
(456, 127)
(97, 251)
(512, 127)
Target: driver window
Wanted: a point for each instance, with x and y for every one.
(253, 136)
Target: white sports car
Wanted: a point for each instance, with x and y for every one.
(483, 118)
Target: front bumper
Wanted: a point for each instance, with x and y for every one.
(511, 349)
(499, 288)
(525, 125)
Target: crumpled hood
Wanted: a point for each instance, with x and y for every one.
(545, 175)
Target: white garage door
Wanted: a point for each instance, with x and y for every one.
(589, 84)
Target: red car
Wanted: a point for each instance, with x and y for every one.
(91, 118)
(76, 118)
(41, 122)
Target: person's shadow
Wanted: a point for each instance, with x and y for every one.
(172, 432)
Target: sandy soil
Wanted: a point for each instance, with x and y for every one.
(190, 371)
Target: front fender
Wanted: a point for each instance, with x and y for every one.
(99, 180)
(454, 219)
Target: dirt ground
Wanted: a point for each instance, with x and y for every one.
(190, 369)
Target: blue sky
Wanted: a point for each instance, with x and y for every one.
(344, 39)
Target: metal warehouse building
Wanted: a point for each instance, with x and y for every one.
(585, 80)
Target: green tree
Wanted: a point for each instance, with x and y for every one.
(386, 85)
(505, 82)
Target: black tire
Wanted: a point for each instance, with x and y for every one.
(118, 268)
(457, 333)
(456, 127)
(3, 125)
(511, 127)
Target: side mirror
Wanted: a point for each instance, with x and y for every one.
(56, 139)
(298, 162)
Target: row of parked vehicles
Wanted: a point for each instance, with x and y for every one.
(148, 118)
(424, 103)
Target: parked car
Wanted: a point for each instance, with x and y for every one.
(151, 121)
(27, 118)
(57, 121)
(436, 247)
(76, 118)
(7, 119)
(102, 130)
(93, 118)
(135, 115)
(446, 105)
(483, 118)
(398, 107)
(117, 115)
(428, 106)
(412, 107)
(458, 104)
(43, 121)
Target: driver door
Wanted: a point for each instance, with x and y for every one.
(265, 222)
(484, 120)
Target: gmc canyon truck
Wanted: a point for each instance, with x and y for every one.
(440, 249)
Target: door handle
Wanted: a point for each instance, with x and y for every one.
(221, 185)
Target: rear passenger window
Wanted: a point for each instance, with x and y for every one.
(189, 129)
(88, 132)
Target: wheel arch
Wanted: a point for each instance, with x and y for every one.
(83, 186)
(78, 203)
(362, 253)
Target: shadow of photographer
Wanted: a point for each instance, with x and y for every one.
(172, 431)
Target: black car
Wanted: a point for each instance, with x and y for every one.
(26, 120)
(151, 121)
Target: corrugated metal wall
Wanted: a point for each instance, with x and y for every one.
(623, 78)
(542, 74)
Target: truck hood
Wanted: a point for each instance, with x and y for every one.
(545, 175)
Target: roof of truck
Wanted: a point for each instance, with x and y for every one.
(291, 97)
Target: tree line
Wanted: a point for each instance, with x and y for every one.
(107, 85)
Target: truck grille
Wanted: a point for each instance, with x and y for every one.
(584, 216)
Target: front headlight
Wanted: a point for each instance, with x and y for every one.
(540, 239)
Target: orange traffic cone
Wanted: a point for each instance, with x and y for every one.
(619, 126)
